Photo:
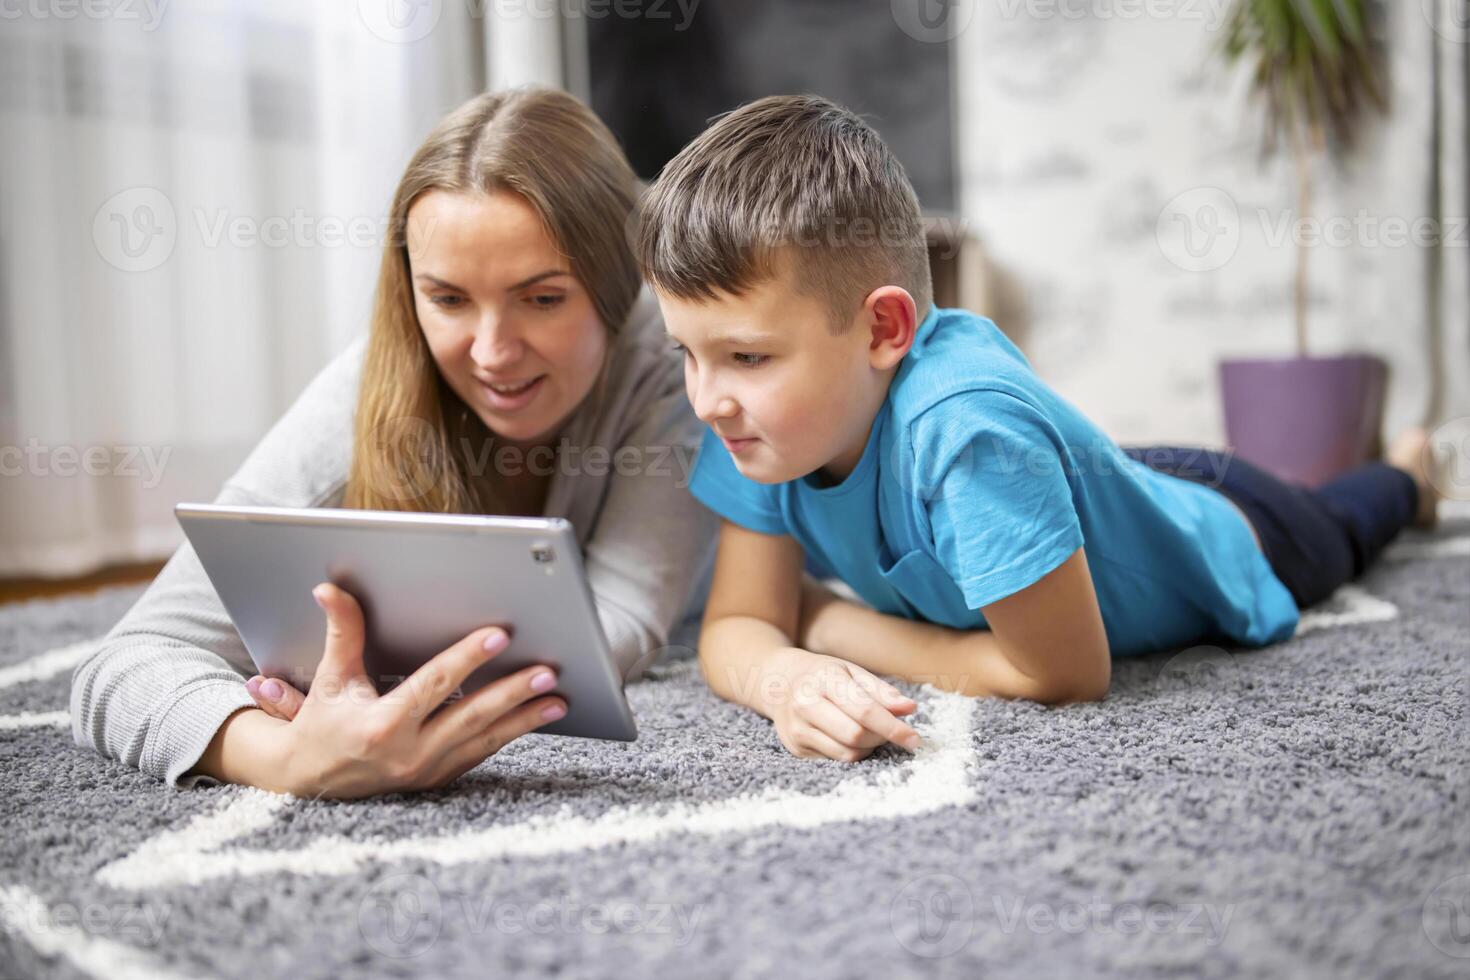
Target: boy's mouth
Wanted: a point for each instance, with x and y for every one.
(735, 446)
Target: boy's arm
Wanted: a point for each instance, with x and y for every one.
(1045, 643)
(751, 615)
(821, 706)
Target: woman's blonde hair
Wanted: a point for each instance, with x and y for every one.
(415, 445)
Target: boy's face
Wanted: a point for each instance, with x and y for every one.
(784, 393)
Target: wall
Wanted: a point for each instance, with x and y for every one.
(1077, 133)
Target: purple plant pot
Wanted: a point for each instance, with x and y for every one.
(1304, 419)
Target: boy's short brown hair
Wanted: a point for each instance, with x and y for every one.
(794, 175)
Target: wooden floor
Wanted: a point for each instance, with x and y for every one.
(21, 589)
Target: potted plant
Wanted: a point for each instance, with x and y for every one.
(1314, 66)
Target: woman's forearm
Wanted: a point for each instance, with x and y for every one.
(249, 750)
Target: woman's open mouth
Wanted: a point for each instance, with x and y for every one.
(512, 397)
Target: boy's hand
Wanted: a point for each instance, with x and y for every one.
(829, 708)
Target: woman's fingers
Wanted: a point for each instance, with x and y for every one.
(522, 720)
(275, 696)
(426, 688)
(340, 669)
(471, 716)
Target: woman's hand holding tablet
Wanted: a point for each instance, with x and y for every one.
(345, 740)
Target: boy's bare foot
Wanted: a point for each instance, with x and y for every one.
(1411, 452)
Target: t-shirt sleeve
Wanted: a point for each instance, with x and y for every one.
(718, 485)
(1000, 505)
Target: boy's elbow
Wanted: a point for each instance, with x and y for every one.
(1073, 681)
(1077, 686)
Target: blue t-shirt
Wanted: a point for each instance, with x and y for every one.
(978, 480)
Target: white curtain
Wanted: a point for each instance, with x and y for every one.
(192, 201)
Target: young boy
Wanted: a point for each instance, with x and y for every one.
(1005, 545)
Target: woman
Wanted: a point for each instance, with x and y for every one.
(512, 357)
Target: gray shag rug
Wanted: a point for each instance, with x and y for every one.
(1297, 811)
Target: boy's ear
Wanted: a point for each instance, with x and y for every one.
(890, 318)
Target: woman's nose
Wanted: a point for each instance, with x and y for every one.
(497, 342)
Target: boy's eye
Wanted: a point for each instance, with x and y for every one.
(751, 360)
(680, 349)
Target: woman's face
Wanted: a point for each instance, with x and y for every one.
(513, 332)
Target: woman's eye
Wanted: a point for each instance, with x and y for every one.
(445, 301)
(751, 360)
(546, 301)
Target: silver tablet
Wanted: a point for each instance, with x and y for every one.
(424, 581)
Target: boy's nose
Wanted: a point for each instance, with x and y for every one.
(710, 408)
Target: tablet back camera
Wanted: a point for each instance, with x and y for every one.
(542, 554)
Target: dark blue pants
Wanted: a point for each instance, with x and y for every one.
(1315, 540)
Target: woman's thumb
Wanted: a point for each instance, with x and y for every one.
(342, 655)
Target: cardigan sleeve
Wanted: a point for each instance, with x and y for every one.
(172, 670)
